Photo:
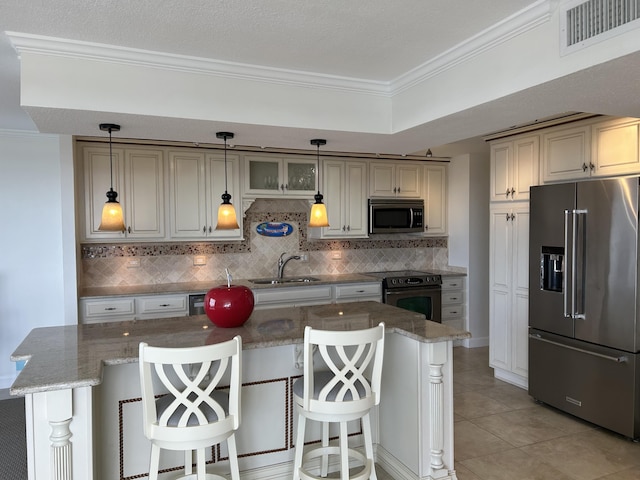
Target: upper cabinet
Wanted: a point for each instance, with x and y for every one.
(197, 182)
(138, 177)
(395, 179)
(514, 167)
(275, 176)
(435, 199)
(591, 149)
(344, 186)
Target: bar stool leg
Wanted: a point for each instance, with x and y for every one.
(297, 462)
(233, 458)
(188, 462)
(154, 463)
(201, 465)
(325, 443)
(368, 445)
(344, 451)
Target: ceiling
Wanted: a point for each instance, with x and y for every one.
(377, 41)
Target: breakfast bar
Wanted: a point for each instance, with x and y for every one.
(82, 392)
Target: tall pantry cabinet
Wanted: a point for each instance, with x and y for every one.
(514, 168)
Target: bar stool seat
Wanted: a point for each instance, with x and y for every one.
(340, 384)
(192, 414)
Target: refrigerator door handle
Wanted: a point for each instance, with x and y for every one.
(574, 264)
(620, 359)
(565, 302)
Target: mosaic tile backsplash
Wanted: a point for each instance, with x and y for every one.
(257, 256)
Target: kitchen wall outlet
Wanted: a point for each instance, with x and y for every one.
(304, 257)
(336, 255)
(199, 260)
(133, 263)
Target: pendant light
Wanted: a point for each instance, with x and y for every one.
(112, 218)
(226, 212)
(318, 216)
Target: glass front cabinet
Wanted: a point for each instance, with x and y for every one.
(267, 175)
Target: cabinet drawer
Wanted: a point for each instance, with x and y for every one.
(452, 283)
(354, 291)
(452, 311)
(154, 304)
(453, 323)
(286, 297)
(456, 296)
(99, 309)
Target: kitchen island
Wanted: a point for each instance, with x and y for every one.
(82, 393)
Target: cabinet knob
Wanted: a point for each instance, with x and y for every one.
(129, 229)
(584, 167)
(513, 217)
(210, 230)
(348, 228)
(507, 192)
(512, 192)
(507, 217)
(344, 228)
(282, 187)
(592, 167)
(204, 229)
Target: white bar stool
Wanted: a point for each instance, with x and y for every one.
(193, 415)
(344, 388)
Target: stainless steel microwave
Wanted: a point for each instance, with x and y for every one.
(394, 215)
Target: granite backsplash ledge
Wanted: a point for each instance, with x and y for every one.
(257, 255)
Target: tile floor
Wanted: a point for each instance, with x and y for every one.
(502, 434)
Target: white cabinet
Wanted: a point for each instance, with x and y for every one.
(592, 149)
(345, 196)
(117, 309)
(197, 182)
(395, 179)
(514, 168)
(358, 292)
(615, 147)
(509, 292)
(435, 199)
(138, 177)
(453, 301)
(566, 153)
(275, 176)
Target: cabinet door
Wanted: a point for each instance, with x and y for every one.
(144, 180)
(566, 154)
(188, 206)
(334, 191)
(500, 287)
(615, 147)
(97, 181)
(300, 174)
(520, 294)
(409, 180)
(435, 199)
(382, 180)
(501, 164)
(355, 204)
(526, 165)
(263, 175)
(216, 187)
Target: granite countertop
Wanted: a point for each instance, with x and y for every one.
(204, 287)
(73, 356)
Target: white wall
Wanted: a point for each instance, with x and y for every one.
(37, 260)
(468, 220)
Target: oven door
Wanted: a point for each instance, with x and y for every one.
(427, 301)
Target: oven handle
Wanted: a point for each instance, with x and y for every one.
(412, 290)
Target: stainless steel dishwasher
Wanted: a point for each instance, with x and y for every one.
(196, 304)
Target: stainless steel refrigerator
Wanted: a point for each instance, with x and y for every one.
(584, 336)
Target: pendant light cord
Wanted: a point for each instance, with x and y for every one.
(225, 164)
(110, 159)
(318, 164)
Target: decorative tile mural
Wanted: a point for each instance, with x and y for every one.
(257, 255)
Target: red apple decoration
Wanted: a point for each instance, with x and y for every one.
(228, 306)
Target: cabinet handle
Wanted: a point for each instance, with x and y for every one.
(210, 229)
(204, 229)
(454, 312)
(592, 167)
(282, 187)
(398, 189)
(513, 217)
(454, 298)
(507, 193)
(344, 228)
(584, 167)
(348, 228)
(512, 192)
(164, 305)
(109, 309)
(129, 229)
(507, 217)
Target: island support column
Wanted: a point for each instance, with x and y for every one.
(59, 434)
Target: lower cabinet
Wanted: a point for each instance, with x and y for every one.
(453, 301)
(118, 309)
(317, 295)
(509, 292)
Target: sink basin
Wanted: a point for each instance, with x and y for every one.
(276, 281)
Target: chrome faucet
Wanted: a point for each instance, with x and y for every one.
(282, 262)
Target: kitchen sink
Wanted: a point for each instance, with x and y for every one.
(276, 281)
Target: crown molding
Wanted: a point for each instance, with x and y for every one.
(518, 23)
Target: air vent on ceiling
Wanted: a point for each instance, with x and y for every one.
(596, 20)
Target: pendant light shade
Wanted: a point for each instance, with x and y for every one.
(112, 218)
(226, 212)
(318, 216)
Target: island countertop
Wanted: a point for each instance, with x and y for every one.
(73, 356)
